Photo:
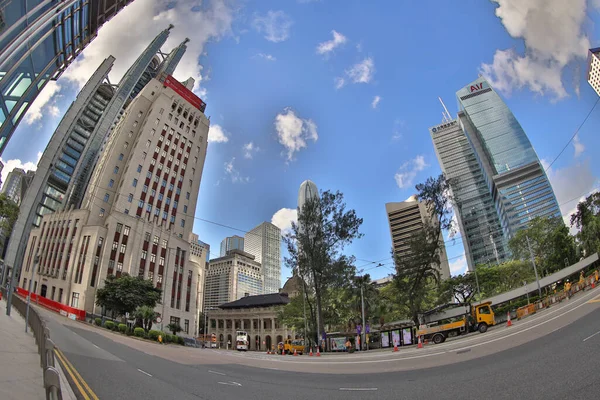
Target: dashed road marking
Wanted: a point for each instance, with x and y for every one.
(231, 383)
(359, 389)
(144, 372)
(215, 372)
(589, 337)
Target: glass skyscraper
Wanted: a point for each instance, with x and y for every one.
(38, 40)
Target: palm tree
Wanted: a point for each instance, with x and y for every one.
(146, 315)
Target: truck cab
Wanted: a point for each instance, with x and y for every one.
(483, 317)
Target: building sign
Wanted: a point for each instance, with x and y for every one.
(476, 87)
(443, 126)
(185, 93)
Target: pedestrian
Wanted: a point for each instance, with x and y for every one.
(568, 289)
(348, 345)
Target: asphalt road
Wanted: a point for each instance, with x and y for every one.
(553, 355)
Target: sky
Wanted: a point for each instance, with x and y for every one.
(343, 94)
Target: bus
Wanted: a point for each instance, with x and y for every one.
(242, 341)
(208, 340)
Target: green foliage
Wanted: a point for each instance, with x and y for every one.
(504, 277)
(587, 220)
(109, 325)
(167, 337)
(125, 294)
(9, 211)
(154, 334)
(122, 328)
(180, 340)
(98, 321)
(146, 316)
(460, 288)
(139, 332)
(175, 328)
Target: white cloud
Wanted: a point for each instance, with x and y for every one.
(339, 82)
(362, 72)
(293, 132)
(9, 165)
(234, 174)
(45, 101)
(578, 146)
(267, 57)
(283, 219)
(275, 25)
(216, 134)
(552, 31)
(250, 149)
(199, 21)
(397, 129)
(375, 101)
(458, 266)
(330, 45)
(408, 171)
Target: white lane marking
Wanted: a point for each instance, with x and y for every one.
(359, 389)
(215, 372)
(589, 337)
(144, 372)
(230, 383)
(95, 346)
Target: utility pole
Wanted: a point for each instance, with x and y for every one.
(306, 340)
(364, 329)
(35, 263)
(537, 279)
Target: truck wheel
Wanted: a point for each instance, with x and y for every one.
(483, 328)
(438, 338)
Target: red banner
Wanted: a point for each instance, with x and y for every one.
(73, 313)
(185, 93)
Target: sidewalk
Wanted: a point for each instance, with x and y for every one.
(21, 376)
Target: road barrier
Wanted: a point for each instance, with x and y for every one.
(70, 312)
(45, 347)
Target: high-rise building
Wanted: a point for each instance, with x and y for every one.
(12, 186)
(199, 248)
(38, 40)
(230, 278)
(64, 170)
(199, 255)
(134, 216)
(514, 175)
(408, 218)
(264, 243)
(593, 72)
(231, 243)
(308, 190)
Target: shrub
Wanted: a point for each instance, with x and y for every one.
(129, 332)
(180, 340)
(109, 325)
(167, 338)
(154, 334)
(98, 321)
(139, 332)
(122, 328)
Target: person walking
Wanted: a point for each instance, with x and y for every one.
(348, 345)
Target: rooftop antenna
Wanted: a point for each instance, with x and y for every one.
(445, 114)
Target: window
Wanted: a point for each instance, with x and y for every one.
(164, 183)
(74, 300)
(152, 258)
(130, 133)
(156, 178)
(126, 230)
(168, 201)
(160, 196)
(153, 162)
(186, 326)
(180, 178)
(164, 215)
(187, 195)
(170, 117)
(130, 198)
(126, 211)
(147, 237)
(119, 267)
(155, 240)
(145, 189)
(162, 110)
(123, 248)
(149, 207)
(191, 183)
(178, 191)
(148, 143)
(153, 131)
(101, 213)
(193, 171)
(157, 149)
(134, 183)
(167, 170)
(148, 174)
(119, 228)
(139, 168)
(161, 261)
(184, 209)
(175, 204)
(171, 187)
(135, 123)
(160, 166)
(116, 170)
(111, 183)
(139, 114)
(153, 193)
(144, 254)
(121, 157)
(106, 197)
(157, 121)
(126, 144)
(172, 219)
(141, 204)
(164, 244)
(159, 278)
(151, 275)
(144, 155)
(183, 223)
(156, 211)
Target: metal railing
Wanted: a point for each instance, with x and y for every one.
(45, 347)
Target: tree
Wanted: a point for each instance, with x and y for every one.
(125, 294)
(504, 277)
(460, 288)
(9, 212)
(587, 220)
(146, 315)
(315, 244)
(175, 328)
(417, 272)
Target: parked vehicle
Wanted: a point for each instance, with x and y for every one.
(455, 319)
(290, 345)
(242, 341)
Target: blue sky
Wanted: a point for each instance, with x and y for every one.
(343, 93)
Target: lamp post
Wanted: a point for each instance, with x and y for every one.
(35, 263)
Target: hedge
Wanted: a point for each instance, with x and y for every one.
(98, 321)
(180, 340)
(153, 334)
(109, 325)
(122, 328)
(167, 338)
(139, 332)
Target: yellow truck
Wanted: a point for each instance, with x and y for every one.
(455, 319)
(288, 346)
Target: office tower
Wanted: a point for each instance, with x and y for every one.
(478, 221)
(264, 243)
(230, 278)
(593, 72)
(12, 186)
(64, 170)
(38, 40)
(137, 215)
(199, 248)
(514, 175)
(231, 243)
(199, 256)
(1, 168)
(408, 218)
(308, 190)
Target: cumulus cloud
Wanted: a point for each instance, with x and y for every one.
(408, 171)
(293, 132)
(9, 165)
(339, 82)
(375, 101)
(200, 21)
(330, 45)
(458, 266)
(45, 102)
(361, 72)
(578, 146)
(267, 57)
(216, 134)
(275, 25)
(234, 174)
(552, 31)
(283, 219)
(250, 149)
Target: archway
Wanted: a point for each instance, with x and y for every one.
(43, 290)
(257, 342)
(221, 340)
(289, 336)
(268, 341)
(279, 339)
(230, 343)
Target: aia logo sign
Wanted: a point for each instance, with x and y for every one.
(476, 87)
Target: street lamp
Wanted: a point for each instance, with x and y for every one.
(35, 263)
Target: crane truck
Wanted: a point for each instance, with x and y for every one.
(455, 319)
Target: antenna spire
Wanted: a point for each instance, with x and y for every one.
(445, 114)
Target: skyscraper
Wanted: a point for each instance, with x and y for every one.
(134, 217)
(38, 40)
(64, 170)
(12, 186)
(407, 218)
(593, 72)
(308, 190)
(264, 243)
(231, 243)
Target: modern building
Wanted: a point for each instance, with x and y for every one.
(408, 218)
(264, 243)
(65, 168)
(478, 221)
(134, 218)
(308, 190)
(231, 243)
(12, 186)
(199, 248)
(593, 72)
(230, 278)
(38, 41)
(199, 256)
